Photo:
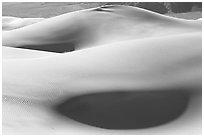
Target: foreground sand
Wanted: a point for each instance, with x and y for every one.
(145, 67)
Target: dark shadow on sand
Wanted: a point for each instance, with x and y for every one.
(125, 110)
(58, 48)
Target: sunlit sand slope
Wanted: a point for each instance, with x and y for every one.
(9, 23)
(132, 71)
(98, 26)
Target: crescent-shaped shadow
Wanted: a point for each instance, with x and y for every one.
(125, 110)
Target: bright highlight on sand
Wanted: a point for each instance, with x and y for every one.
(105, 70)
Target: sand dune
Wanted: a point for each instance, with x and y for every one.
(94, 27)
(131, 69)
(9, 23)
(17, 53)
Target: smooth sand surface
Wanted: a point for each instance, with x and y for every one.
(95, 27)
(19, 53)
(10, 23)
(132, 71)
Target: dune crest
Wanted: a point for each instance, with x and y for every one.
(95, 27)
(10, 23)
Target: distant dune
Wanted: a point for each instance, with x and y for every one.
(104, 70)
(50, 9)
(44, 9)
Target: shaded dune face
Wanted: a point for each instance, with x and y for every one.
(125, 110)
(58, 48)
(95, 27)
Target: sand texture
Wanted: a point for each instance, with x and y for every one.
(104, 70)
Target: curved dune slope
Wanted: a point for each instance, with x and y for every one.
(10, 23)
(17, 53)
(132, 72)
(94, 27)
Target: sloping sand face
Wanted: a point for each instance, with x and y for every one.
(10, 23)
(17, 53)
(131, 72)
(94, 27)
